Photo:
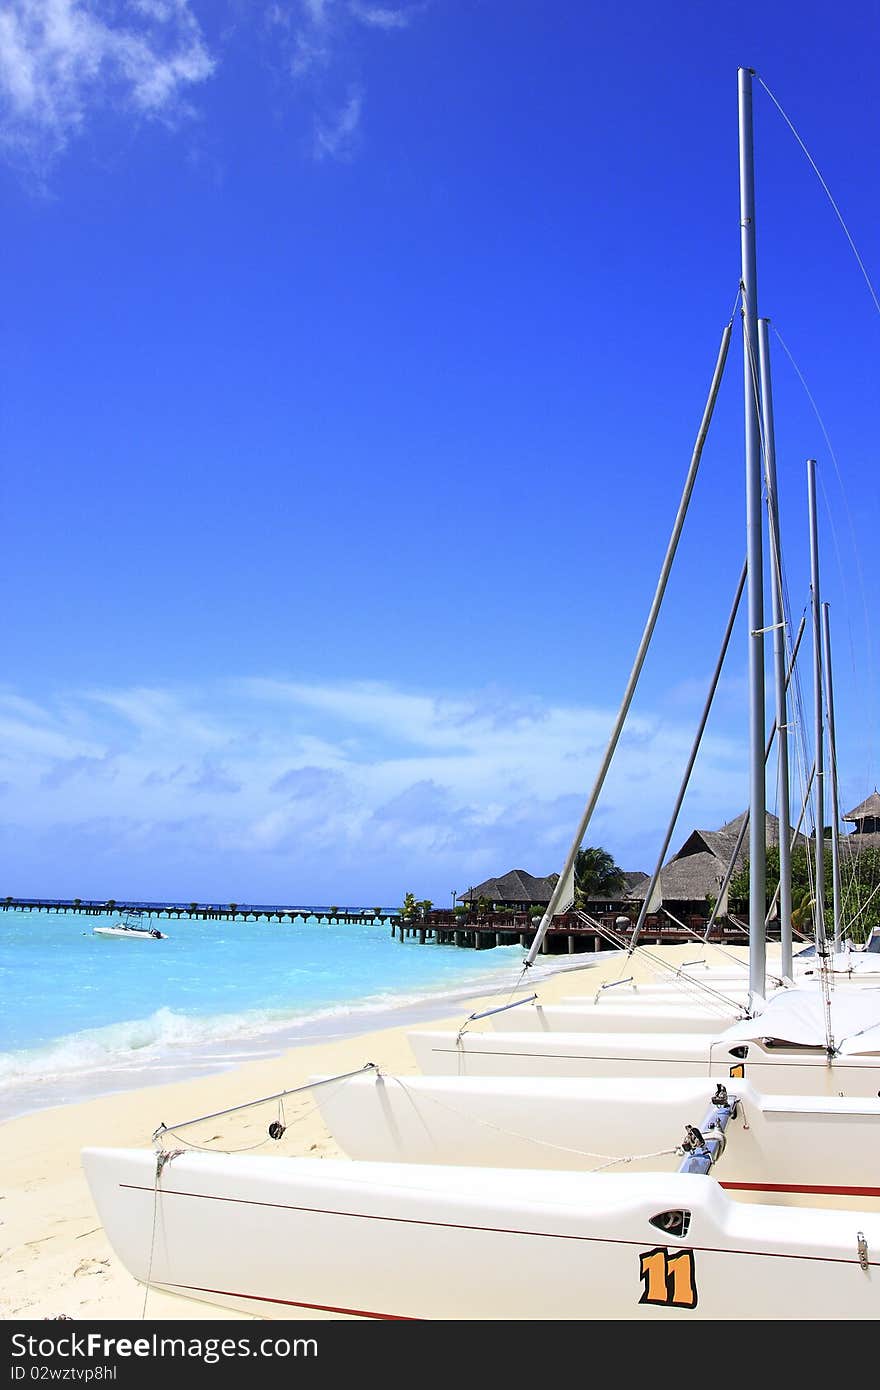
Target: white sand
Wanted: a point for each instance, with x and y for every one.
(54, 1257)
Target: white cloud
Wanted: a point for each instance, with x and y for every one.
(322, 50)
(62, 60)
(381, 16)
(336, 134)
(318, 11)
(239, 788)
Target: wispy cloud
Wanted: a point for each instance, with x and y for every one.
(322, 53)
(260, 787)
(65, 770)
(211, 777)
(382, 16)
(336, 135)
(63, 60)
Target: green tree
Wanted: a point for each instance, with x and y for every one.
(376, 911)
(597, 877)
(193, 907)
(424, 906)
(410, 907)
(233, 907)
(860, 877)
(334, 911)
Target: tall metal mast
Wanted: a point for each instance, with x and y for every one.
(819, 907)
(754, 540)
(779, 630)
(566, 878)
(832, 768)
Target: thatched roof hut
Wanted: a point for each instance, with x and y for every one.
(695, 872)
(515, 889)
(519, 890)
(866, 816)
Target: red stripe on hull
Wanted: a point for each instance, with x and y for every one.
(462, 1226)
(802, 1187)
(294, 1303)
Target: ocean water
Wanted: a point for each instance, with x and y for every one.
(83, 1015)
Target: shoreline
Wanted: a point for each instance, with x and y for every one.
(222, 1055)
(57, 1260)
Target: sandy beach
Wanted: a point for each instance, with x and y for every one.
(54, 1257)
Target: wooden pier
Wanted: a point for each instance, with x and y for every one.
(204, 912)
(568, 934)
(443, 927)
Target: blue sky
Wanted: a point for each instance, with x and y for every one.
(352, 357)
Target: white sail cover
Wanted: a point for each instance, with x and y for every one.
(798, 1016)
(566, 898)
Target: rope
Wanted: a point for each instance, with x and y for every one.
(818, 174)
(607, 1160)
(343, 1079)
(657, 966)
(162, 1158)
(849, 517)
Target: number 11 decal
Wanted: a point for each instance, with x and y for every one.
(669, 1278)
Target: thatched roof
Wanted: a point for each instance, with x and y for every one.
(688, 879)
(516, 886)
(869, 809)
(635, 880)
(698, 868)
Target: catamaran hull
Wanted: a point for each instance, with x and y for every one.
(777, 1071)
(296, 1237)
(587, 1017)
(787, 1150)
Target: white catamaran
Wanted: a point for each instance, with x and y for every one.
(382, 1238)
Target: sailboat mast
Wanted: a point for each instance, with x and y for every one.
(819, 907)
(779, 673)
(832, 767)
(754, 543)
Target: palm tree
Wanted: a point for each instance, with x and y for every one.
(597, 877)
(424, 906)
(802, 906)
(410, 906)
(377, 912)
(193, 907)
(233, 907)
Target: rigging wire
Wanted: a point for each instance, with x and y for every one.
(852, 867)
(849, 517)
(828, 194)
(609, 1161)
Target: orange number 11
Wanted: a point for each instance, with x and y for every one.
(669, 1278)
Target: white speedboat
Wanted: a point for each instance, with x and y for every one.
(130, 933)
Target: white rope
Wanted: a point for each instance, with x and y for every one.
(818, 174)
(162, 1159)
(855, 547)
(607, 1160)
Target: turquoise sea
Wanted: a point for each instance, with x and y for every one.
(82, 1015)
